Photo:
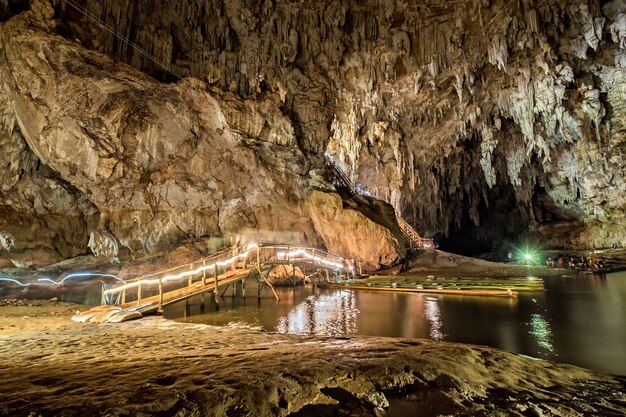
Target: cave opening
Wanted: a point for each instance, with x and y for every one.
(503, 221)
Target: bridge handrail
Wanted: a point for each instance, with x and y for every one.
(235, 252)
(163, 271)
(408, 230)
(308, 248)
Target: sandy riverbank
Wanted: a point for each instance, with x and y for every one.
(449, 265)
(51, 366)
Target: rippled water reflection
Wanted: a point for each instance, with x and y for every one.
(578, 320)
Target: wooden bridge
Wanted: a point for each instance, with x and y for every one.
(151, 293)
(415, 241)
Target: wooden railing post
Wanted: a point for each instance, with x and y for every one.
(216, 288)
(190, 277)
(139, 293)
(123, 296)
(204, 273)
(160, 309)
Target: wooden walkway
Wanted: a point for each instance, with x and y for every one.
(157, 302)
(445, 291)
(151, 293)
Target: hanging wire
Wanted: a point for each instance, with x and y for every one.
(121, 37)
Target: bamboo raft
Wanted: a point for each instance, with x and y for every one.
(451, 286)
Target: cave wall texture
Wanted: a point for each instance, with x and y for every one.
(475, 118)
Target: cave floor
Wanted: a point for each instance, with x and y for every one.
(53, 366)
(448, 265)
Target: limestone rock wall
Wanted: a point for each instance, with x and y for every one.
(102, 157)
(493, 117)
(401, 93)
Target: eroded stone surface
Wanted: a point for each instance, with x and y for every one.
(155, 366)
(505, 116)
(489, 118)
(139, 164)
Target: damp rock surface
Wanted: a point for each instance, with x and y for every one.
(104, 159)
(155, 367)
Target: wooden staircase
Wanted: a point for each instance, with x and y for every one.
(339, 177)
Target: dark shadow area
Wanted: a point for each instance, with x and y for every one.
(348, 404)
(12, 8)
(501, 219)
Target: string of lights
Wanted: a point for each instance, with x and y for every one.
(212, 266)
(62, 281)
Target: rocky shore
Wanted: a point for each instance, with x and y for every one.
(52, 366)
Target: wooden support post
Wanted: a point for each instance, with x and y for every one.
(160, 309)
(202, 303)
(139, 293)
(190, 277)
(225, 289)
(269, 285)
(217, 299)
(124, 296)
(216, 290)
(260, 282)
(243, 288)
(327, 276)
(204, 273)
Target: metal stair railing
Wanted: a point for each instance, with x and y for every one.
(415, 240)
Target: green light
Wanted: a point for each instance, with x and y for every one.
(528, 255)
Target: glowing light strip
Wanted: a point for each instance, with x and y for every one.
(229, 261)
(15, 281)
(53, 282)
(182, 274)
(303, 252)
(78, 274)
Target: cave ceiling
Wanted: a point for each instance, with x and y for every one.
(504, 118)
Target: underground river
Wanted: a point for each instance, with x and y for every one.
(580, 320)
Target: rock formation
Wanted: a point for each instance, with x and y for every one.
(101, 156)
(474, 119)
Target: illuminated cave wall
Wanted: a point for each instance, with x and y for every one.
(473, 118)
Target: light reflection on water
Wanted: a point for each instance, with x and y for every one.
(540, 329)
(433, 314)
(331, 314)
(579, 320)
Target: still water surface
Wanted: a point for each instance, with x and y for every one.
(581, 320)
